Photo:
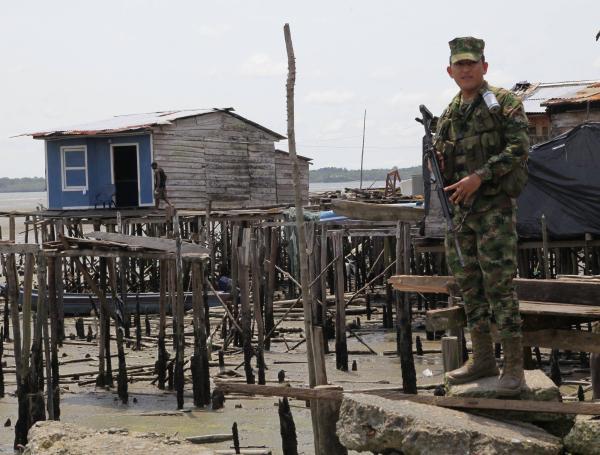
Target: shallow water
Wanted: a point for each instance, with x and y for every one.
(257, 419)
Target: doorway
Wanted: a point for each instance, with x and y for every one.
(125, 175)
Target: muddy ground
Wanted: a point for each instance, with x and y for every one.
(257, 417)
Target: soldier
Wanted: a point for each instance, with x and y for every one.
(482, 145)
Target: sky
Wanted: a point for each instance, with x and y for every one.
(66, 62)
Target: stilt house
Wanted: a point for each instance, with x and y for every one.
(208, 155)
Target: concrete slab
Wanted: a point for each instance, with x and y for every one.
(539, 387)
(369, 423)
(584, 438)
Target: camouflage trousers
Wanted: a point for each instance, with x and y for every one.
(488, 242)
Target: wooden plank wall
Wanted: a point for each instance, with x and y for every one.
(285, 186)
(564, 121)
(219, 157)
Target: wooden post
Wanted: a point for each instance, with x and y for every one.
(161, 363)
(27, 288)
(43, 316)
(404, 331)
(256, 299)
(545, 249)
(451, 354)
(105, 325)
(341, 348)
(53, 314)
(21, 426)
(329, 413)
(12, 233)
(235, 241)
(200, 365)
(273, 238)
(243, 266)
(388, 313)
(289, 440)
(211, 244)
(122, 369)
(180, 342)
(323, 279)
(37, 359)
(595, 367)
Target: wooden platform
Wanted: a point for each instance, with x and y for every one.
(545, 323)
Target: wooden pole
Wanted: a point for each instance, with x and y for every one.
(341, 347)
(235, 241)
(273, 239)
(161, 363)
(180, 342)
(545, 249)
(200, 364)
(323, 279)
(27, 288)
(451, 353)
(243, 265)
(122, 387)
(256, 299)
(404, 331)
(105, 325)
(53, 315)
(43, 267)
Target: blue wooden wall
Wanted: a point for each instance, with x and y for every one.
(99, 170)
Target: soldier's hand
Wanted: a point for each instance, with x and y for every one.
(464, 189)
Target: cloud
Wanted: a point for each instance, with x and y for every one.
(596, 63)
(261, 65)
(404, 98)
(333, 126)
(500, 78)
(329, 96)
(214, 30)
(384, 73)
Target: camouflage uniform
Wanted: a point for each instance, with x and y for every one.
(473, 140)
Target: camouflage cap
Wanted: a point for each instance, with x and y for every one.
(466, 48)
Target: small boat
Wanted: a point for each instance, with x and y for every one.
(409, 212)
(76, 304)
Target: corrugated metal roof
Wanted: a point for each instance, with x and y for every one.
(136, 122)
(305, 158)
(535, 95)
(582, 95)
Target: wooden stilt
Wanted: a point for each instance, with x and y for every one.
(256, 298)
(409, 376)
(179, 340)
(200, 364)
(273, 239)
(161, 363)
(246, 316)
(105, 325)
(341, 348)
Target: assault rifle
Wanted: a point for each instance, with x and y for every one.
(436, 179)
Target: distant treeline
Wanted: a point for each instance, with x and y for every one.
(340, 174)
(8, 185)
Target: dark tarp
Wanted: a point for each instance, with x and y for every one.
(564, 185)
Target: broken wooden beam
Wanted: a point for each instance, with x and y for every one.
(299, 393)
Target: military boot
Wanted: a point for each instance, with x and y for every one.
(512, 379)
(481, 364)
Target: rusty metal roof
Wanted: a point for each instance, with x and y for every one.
(137, 122)
(582, 95)
(537, 95)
